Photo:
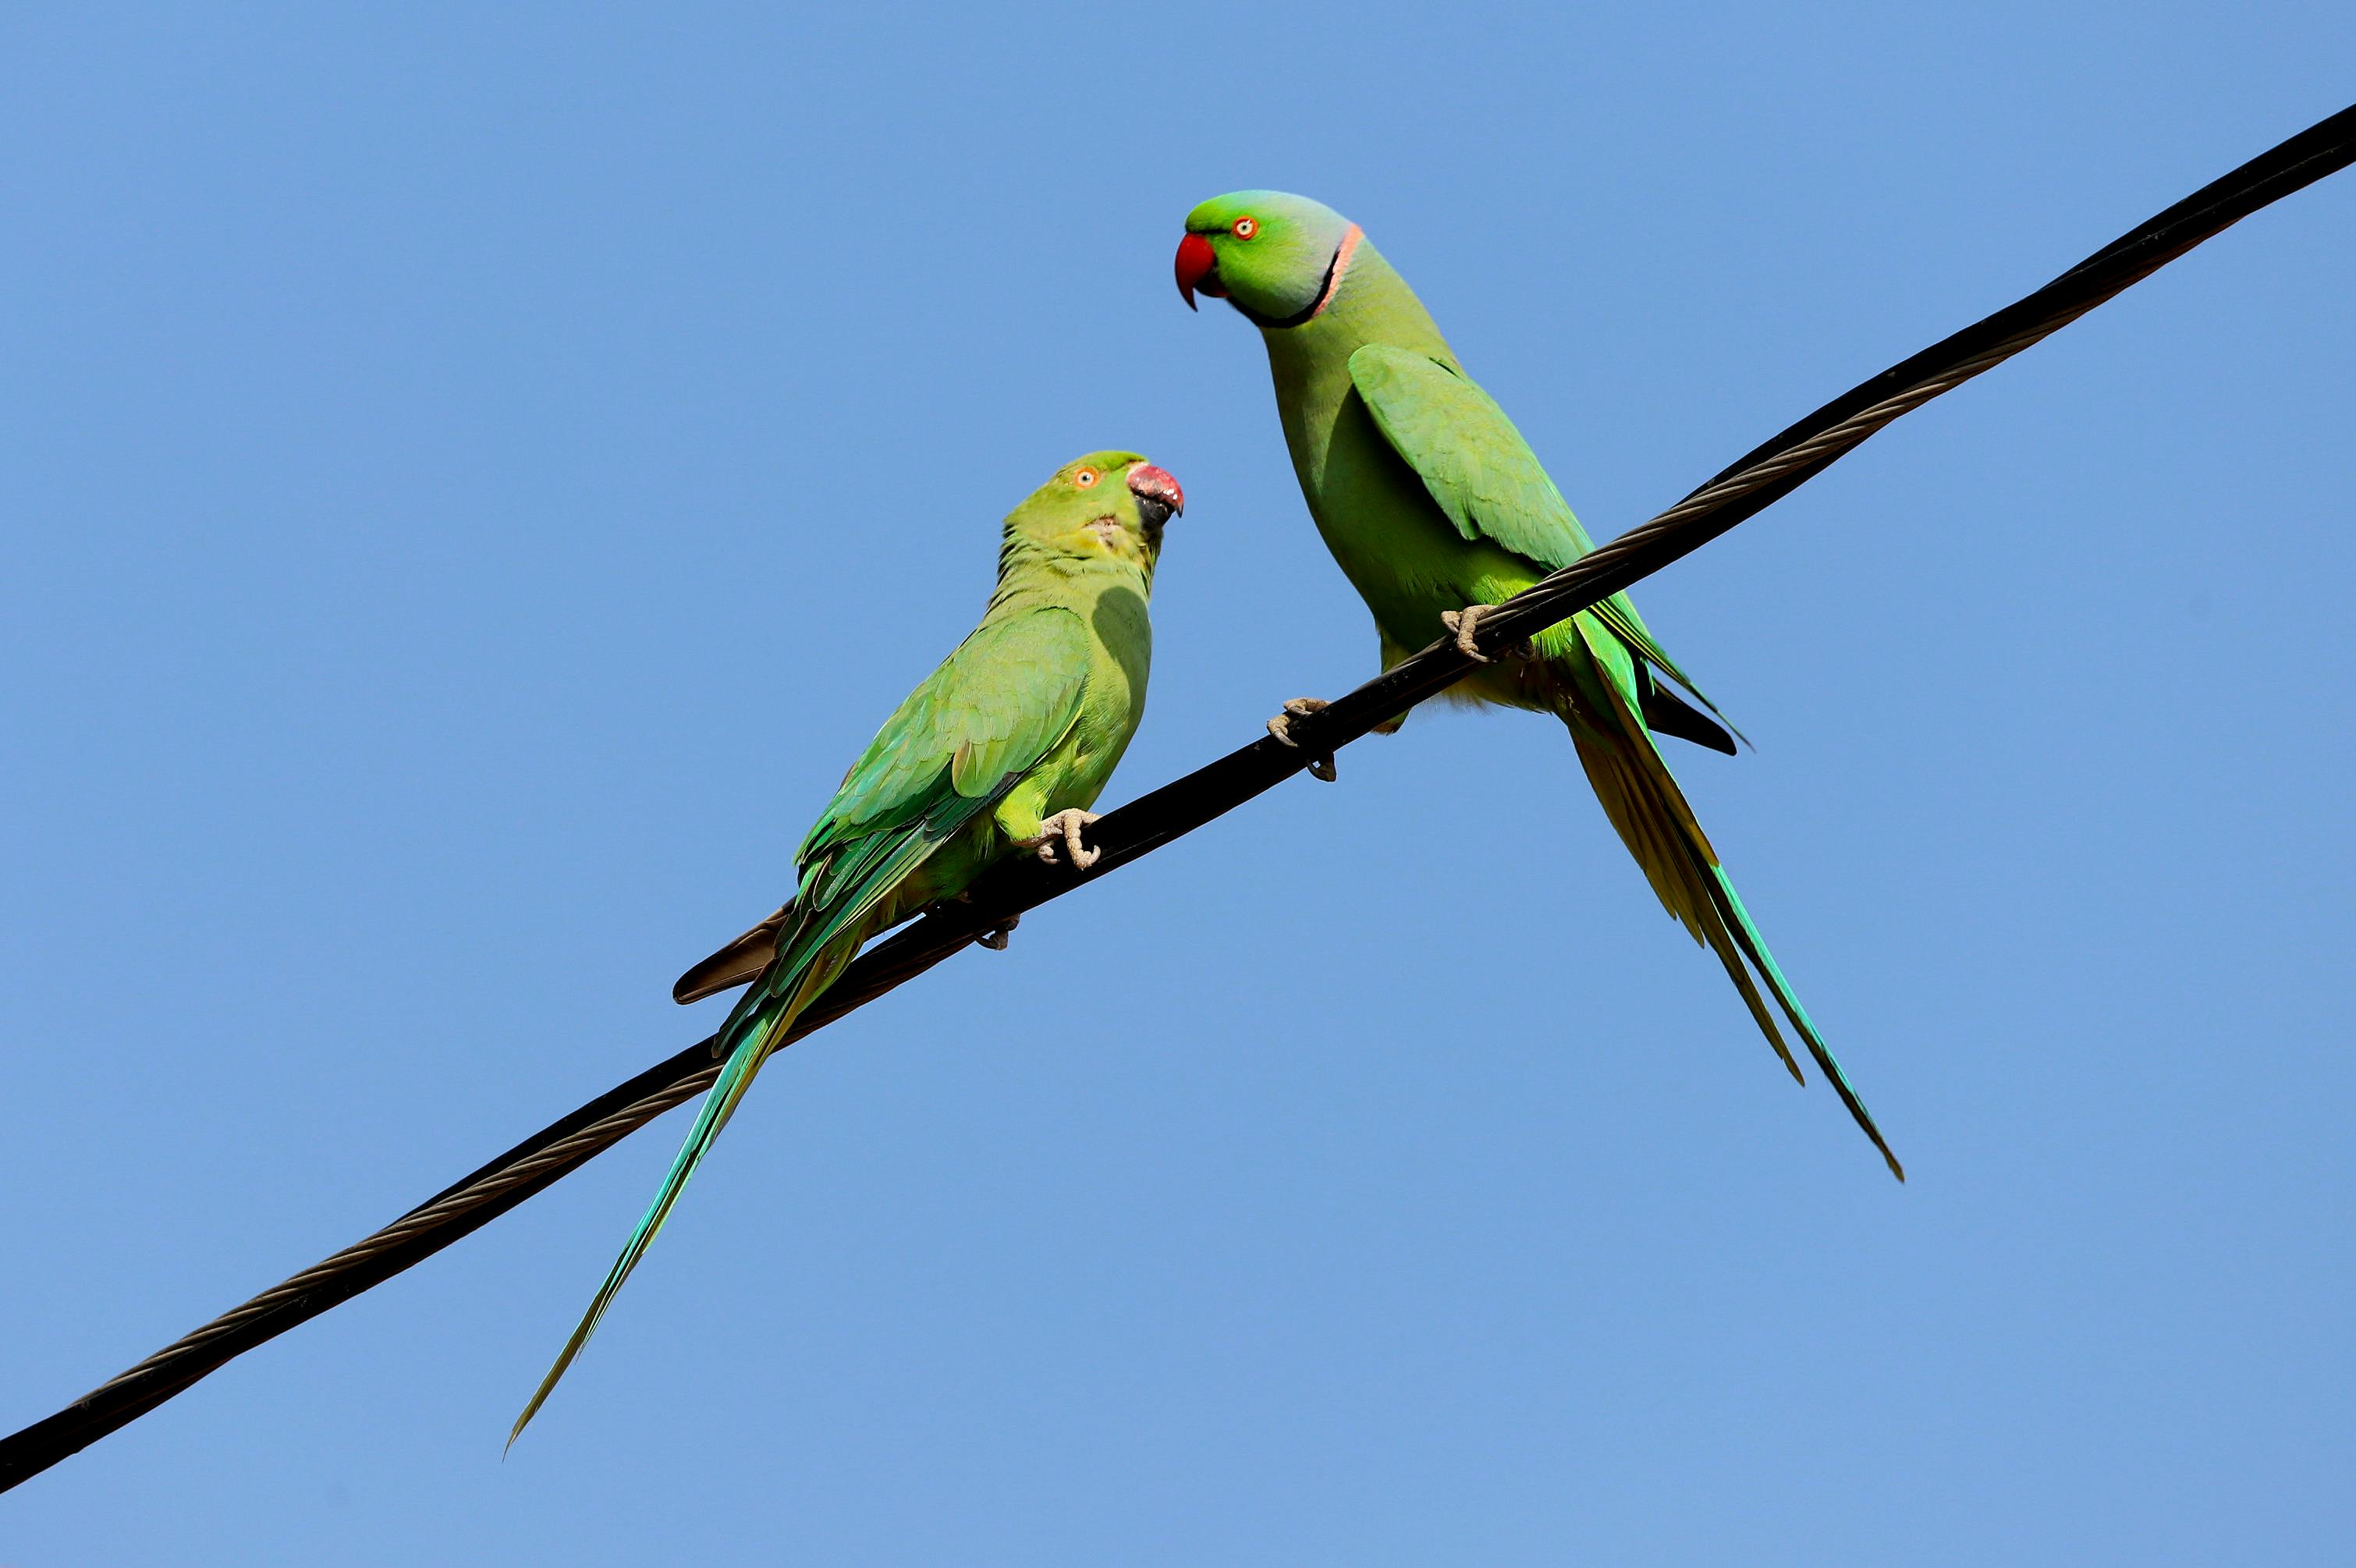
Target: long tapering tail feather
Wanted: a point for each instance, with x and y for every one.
(1754, 947)
(762, 1019)
(1650, 812)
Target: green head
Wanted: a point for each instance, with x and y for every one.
(1107, 506)
(1274, 257)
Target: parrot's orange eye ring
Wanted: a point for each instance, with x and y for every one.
(1086, 479)
(1246, 227)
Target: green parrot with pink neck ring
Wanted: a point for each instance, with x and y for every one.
(1436, 509)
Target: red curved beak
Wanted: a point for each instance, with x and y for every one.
(1198, 267)
(1148, 483)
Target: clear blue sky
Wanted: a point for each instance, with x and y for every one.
(472, 482)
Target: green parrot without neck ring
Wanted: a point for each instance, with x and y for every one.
(1435, 509)
(1000, 750)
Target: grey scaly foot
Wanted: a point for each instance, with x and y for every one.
(1462, 623)
(1280, 726)
(1063, 827)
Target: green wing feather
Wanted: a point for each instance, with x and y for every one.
(1476, 465)
(995, 706)
(969, 734)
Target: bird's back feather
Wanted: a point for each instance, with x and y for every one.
(1485, 476)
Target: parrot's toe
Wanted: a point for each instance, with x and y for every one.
(1063, 829)
(1280, 726)
(1463, 623)
(994, 939)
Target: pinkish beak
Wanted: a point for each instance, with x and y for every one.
(1154, 487)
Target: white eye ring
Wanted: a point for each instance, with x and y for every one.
(1246, 227)
(1086, 479)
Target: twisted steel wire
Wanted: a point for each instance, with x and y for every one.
(560, 1155)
